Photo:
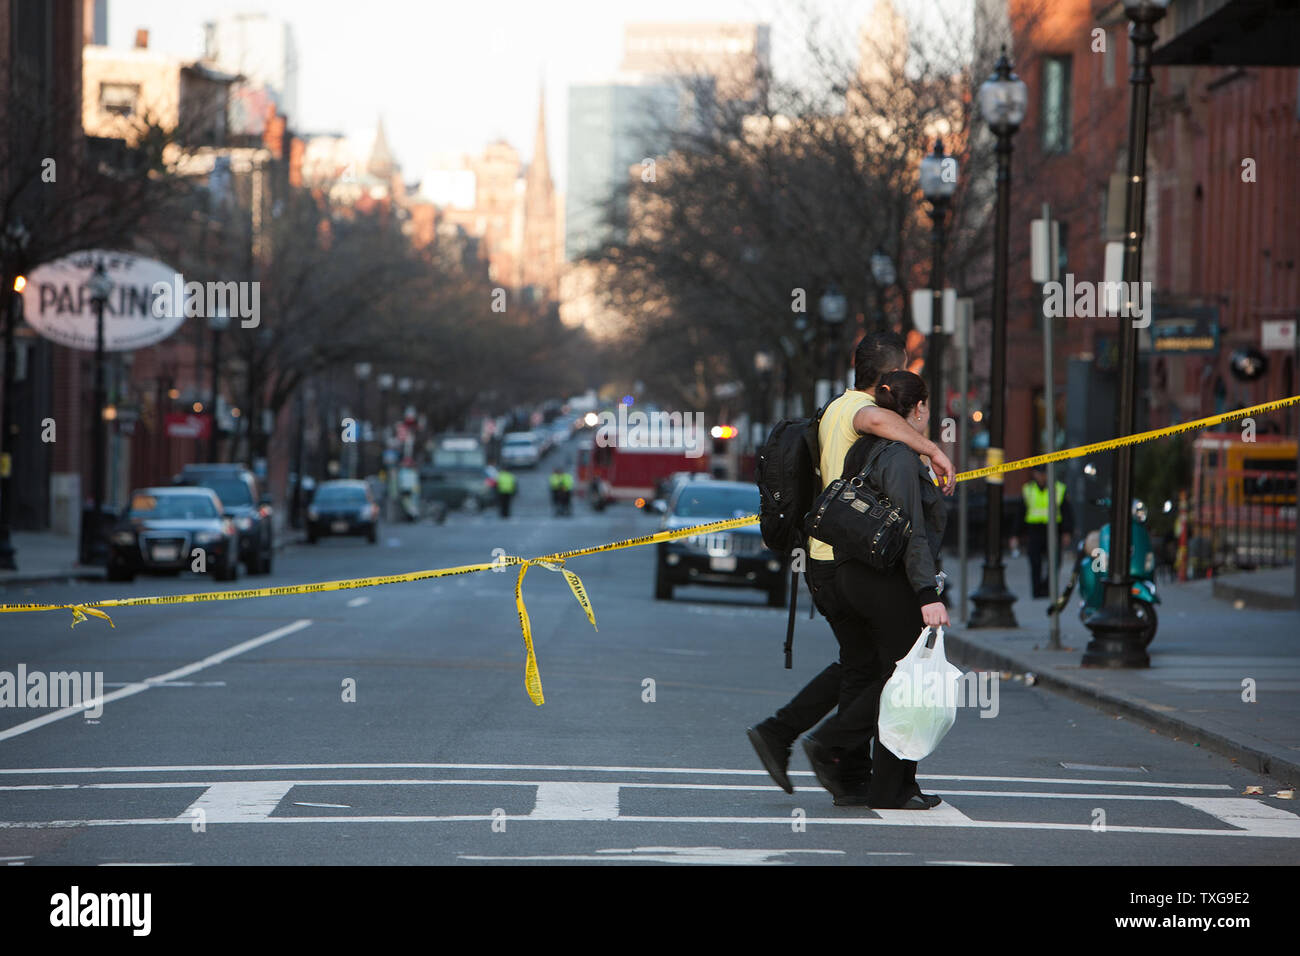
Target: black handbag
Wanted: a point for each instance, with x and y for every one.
(859, 523)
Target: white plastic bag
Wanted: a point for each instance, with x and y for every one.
(919, 702)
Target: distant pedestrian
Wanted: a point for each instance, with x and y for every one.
(561, 491)
(506, 488)
(1034, 520)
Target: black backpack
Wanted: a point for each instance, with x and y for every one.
(788, 482)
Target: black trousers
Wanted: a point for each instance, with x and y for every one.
(821, 694)
(1036, 548)
(876, 618)
(503, 503)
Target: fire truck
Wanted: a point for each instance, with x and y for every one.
(609, 472)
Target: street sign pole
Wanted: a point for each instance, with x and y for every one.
(1047, 261)
(964, 310)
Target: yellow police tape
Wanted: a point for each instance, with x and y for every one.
(555, 562)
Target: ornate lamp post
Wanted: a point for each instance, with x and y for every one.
(938, 184)
(1116, 630)
(218, 323)
(363, 373)
(882, 271)
(1003, 98)
(101, 286)
(833, 306)
(14, 240)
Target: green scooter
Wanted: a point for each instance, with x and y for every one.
(1090, 572)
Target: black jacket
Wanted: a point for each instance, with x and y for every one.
(899, 475)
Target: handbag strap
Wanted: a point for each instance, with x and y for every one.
(876, 452)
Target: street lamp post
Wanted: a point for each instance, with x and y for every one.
(882, 271)
(363, 373)
(92, 537)
(1117, 639)
(1003, 98)
(938, 183)
(15, 241)
(218, 323)
(833, 307)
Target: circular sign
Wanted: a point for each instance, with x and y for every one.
(1248, 364)
(138, 312)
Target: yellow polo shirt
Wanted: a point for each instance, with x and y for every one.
(837, 436)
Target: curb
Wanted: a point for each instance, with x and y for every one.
(1252, 597)
(43, 577)
(76, 574)
(1283, 767)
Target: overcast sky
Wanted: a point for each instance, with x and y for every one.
(453, 75)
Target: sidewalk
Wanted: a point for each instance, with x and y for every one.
(46, 556)
(1204, 650)
(1271, 590)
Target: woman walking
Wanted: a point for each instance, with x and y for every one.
(878, 615)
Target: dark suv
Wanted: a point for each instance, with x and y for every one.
(236, 486)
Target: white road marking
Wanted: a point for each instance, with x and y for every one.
(576, 801)
(963, 863)
(1253, 816)
(131, 690)
(631, 785)
(253, 801)
(945, 814)
(568, 768)
(783, 821)
(242, 802)
(707, 855)
(332, 806)
(170, 683)
(358, 601)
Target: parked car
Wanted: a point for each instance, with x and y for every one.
(736, 558)
(343, 507)
(457, 475)
(160, 529)
(250, 511)
(521, 450)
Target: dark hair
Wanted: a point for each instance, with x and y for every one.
(901, 391)
(876, 354)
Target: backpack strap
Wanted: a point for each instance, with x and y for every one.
(789, 622)
(812, 441)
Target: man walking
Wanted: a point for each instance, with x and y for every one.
(506, 488)
(1034, 522)
(848, 417)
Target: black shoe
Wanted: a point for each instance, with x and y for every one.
(854, 797)
(774, 755)
(825, 765)
(918, 801)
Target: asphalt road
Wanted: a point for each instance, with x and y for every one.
(227, 739)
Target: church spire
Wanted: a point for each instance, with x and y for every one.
(381, 162)
(539, 169)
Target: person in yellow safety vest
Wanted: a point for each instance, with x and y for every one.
(561, 490)
(1034, 523)
(506, 488)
